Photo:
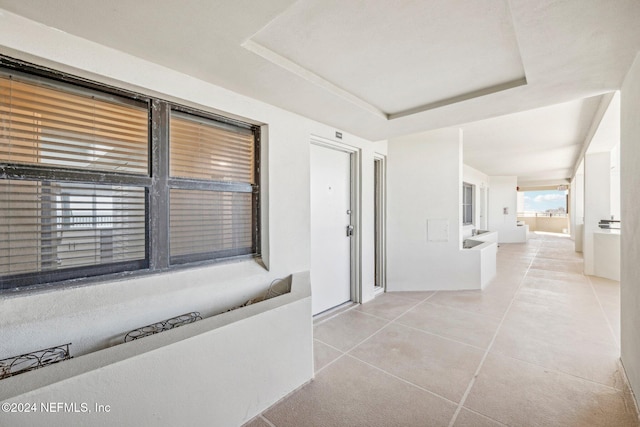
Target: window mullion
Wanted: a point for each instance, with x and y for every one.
(159, 199)
(28, 172)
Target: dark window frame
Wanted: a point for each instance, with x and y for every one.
(465, 203)
(156, 183)
(200, 184)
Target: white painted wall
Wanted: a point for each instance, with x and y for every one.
(597, 202)
(577, 208)
(94, 316)
(198, 374)
(606, 254)
(630, 239)
(424, 175)
(615, 181)
(424, 182)
(520, 201)
(503, 194)
(481, 182)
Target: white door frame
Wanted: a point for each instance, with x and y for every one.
(356, 220)
(483, 209)
(381, 232)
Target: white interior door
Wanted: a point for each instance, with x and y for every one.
(330, 218)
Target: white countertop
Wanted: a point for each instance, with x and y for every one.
(615, 231)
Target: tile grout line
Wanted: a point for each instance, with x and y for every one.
(495, 335)
(606, 318)
(356, 305)
(440, 336)
(396, 294)
(328, 345)
(464, 310)
(389, 322)
(625, 380)
(460, 405)
(590, 283)
(485, 416)
(343, 353)
(556, 371)
(377, 368)
(266, 421)
(417, 303)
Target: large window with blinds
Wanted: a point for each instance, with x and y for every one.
(95, 181)
(212, 200)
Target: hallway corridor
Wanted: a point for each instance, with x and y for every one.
(538, 347)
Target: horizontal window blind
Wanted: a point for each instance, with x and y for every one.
(204, 149)
(85, 190)
(215, 217)
(58, 225)
(215, 224)
(55, 128)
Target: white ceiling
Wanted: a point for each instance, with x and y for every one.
(607, 133)
(386, 68)
(539, 146)
(385, 55)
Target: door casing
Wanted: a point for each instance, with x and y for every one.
(356, 218)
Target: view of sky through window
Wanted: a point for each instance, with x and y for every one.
(551, 201)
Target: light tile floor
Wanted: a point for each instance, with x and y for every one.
(538, 347)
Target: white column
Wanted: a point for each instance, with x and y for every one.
(597, 201)
(577, 208)
(630, 227)
(503, 206)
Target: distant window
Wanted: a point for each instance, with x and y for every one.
(467, 204)
(543, 203)
(95, 181)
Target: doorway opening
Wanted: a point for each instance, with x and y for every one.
(379, 223)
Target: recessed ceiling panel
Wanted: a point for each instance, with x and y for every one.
(541, 144)
(400, 56)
